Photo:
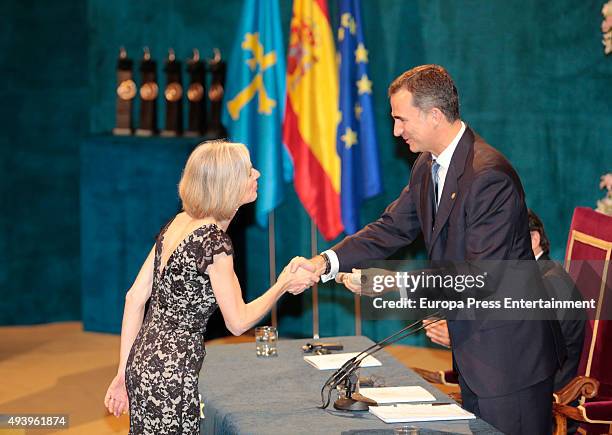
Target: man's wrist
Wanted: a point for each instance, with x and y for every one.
(320, 264)
(327, 263)
(334, 265)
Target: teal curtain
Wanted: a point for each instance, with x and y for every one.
(43, 115)
(532, 77)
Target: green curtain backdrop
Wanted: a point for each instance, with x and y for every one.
(532, 77)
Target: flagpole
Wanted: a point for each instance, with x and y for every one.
(357, 314)
(272, 260)
(315, 287)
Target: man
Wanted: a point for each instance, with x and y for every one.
(468, 202)
(561, 287)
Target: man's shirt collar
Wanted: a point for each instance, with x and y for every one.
(445, 156)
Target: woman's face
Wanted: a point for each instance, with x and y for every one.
(251, 191)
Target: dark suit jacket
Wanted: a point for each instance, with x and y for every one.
(481, 216)
(561, 286)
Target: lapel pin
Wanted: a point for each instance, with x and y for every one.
(453, 195)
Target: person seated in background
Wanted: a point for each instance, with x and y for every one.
(560, 286)
(188, 273)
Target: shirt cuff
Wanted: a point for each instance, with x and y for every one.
(334, 265)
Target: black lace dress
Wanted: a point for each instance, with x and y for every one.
(166, 358)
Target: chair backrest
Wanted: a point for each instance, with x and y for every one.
(587, 259)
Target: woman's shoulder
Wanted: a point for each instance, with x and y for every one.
(215, 243)
(217, 238)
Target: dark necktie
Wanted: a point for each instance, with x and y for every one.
(435, 167)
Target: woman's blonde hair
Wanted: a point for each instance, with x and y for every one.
(214, 180)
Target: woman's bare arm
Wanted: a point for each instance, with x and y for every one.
(240, 317)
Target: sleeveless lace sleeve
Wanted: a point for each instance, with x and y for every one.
(216, 243)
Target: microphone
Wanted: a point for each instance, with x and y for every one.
(346, 373)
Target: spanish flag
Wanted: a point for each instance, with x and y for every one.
(311, 114)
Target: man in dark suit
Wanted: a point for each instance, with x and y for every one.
(559, 285)
(468, 202)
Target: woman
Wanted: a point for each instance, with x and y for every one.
(188, 273)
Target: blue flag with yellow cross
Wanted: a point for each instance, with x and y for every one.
(254, 100)
(356, 136)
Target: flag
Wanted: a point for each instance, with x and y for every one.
(311, 114)
(255, 100)
(356, 136)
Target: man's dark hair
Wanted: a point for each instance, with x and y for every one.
(431, 86)
(535, 224)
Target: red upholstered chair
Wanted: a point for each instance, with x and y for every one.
(590, 238)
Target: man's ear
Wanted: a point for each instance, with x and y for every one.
(437, 115)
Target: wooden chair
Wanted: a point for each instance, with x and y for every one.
(590, 239)
(441, 377)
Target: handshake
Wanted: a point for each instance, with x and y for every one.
(302, 273)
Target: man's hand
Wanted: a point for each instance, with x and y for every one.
(437, 332)
(351, 281)
(316, 266)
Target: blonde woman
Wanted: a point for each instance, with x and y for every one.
(188, 273)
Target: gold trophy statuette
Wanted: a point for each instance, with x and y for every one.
(217, 67)
(126, 91)
(148, 96)
(196, 95)
(149, 91)
(173, 95)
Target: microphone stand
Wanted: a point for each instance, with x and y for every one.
(346, 375)
(352, 400)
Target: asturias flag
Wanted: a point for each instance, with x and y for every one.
(311, 117)
(255, 100)
(356, 137)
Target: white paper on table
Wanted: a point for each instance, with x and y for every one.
(384, 395)
(334, 361)
(403, 413)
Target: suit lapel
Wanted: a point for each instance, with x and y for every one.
(450, 193)
(447, 201)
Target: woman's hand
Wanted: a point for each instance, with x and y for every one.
(298, 281)
(116, 399)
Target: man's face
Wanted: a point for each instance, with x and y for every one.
(535, 242)
(410, 123)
